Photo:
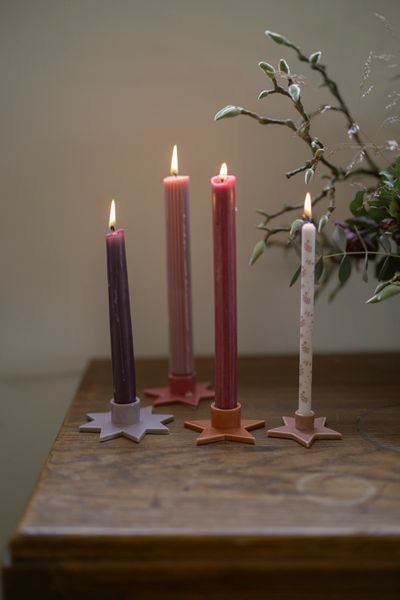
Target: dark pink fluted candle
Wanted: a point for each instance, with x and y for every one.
(176, 191)
(224, 228)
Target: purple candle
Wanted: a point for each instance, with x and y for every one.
(123, 364)
(224, 227)
(176, 191)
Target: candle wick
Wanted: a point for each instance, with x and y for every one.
(112, 228)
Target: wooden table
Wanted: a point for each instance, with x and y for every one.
(165, 518)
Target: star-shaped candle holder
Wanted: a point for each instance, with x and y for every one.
(304, 430)
(225, 424)
(182, 389)
(127, 420)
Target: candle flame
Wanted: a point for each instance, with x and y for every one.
(307, 206)
(111, 222)
(223, 172)
(174, 161)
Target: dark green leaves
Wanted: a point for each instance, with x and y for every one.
(339, 237)
(394, 208)
(344, 269)
(365, 270)
(228, 111)
(357, 205)
(295, 276)
(385, 243)
(377, 214)
(319, 269)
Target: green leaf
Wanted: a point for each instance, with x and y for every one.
(344, 269)
(228, 111)
(315, 57)
(394, 208)
(294, 92)
(382, 267)
(258, 250)
(308, 175)
(385, 243)
(377, 214)
(389, 290)
(278, 38)
(319, 269)
(295, 276)
(296, 225)
(268, 69)
(264, 94)
(357, 206)
(339, 237)
(386, 175)
(284, 67)
(365, 270)
(324, 220)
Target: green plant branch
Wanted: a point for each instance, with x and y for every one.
(361, 254)
(333, 88)
(269, 120)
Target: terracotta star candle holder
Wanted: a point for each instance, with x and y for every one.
(127, 420)
(182, 389)
(304, 430)
(225, 424)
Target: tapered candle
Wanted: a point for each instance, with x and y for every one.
(224, 230)
(123, 366)
(176, 192)
(306, 311)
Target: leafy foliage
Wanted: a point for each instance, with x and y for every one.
(372, 230)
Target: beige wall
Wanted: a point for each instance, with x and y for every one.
(94, 95)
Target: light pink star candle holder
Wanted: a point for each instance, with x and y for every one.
(182, 387)
(225, 422)
(125, 417)
(126, 420)
(304, 427)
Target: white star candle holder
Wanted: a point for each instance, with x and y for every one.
(126, 420)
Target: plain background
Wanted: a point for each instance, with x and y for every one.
(94, 95)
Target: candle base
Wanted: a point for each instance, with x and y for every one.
(225, 424)
(182, 389)
(127, 420)
(304, 430)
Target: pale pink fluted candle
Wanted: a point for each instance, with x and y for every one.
(176, 191)
(224, 229)
(306, 312)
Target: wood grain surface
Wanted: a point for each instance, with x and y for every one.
(125, 520)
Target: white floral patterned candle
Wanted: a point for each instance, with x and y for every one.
(306, 311)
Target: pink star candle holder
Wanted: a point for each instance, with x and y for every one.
(182, 389)
(127, 420)
(304, 429)
(225, 424)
